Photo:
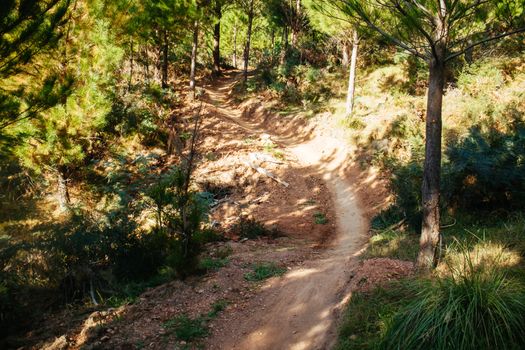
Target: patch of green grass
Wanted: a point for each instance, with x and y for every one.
(191, 329)
(320, 218)
(264, 271)
(393, 244)
(367, 315)
(479, 308)
(186, 328)
(217, 308)
(212, 264)
(273, 150)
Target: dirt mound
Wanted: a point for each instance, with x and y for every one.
(379, 271)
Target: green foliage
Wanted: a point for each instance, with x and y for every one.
(367, 315)
(191, 329)
(264, 271)
(211, 264)
(217, 307)
(486, 168)
(393, 244)
(29, 30)
(475, 310)
(320, 218)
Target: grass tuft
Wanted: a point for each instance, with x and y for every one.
(264, 271)
(479, 308)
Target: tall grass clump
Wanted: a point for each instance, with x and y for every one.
(475, 307)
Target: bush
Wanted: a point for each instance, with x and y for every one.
(253, 229)
(477, 309)
(486, 169)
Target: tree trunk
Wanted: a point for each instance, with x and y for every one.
(234, 60)
(194, 56)
(246, 55)
(346, 58)
(284, 48)
(130, 82)
(217, 40)
(430, 231)
(165, 63)
(351, 78)
(296, 23)
(62, 192)
(146, 63)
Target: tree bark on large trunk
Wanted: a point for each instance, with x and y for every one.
(246, 55)
(194, 57)
(430, 231)
(351, 78)
(217, 40)
(165, 63)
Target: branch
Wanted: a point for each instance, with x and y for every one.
(486, 40)
(364, 18)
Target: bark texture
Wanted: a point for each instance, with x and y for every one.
(217, 40)
(194, 47)
(351, 76)
(246, 55)
(165, 63)
(430, 231)
(63, 198)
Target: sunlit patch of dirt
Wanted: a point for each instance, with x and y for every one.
(376, 272)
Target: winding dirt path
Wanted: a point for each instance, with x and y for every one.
(299, 310)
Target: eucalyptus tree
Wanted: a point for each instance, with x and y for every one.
(436, 31)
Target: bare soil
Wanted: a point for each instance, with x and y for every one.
(298, 310)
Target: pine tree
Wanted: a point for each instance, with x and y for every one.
(437, 32)
(28, 29)
(59, 141)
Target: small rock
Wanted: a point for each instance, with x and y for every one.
(104, 338)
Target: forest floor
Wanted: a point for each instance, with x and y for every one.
(322, 217)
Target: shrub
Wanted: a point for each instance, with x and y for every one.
(486, 169)
(477, 309)
(252, 229)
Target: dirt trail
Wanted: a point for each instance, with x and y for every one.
(299, 310)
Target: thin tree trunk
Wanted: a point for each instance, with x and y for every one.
(296, 23)
(430, 231)
(146, 63)
(165, 63)
(273, 41)
(130, 82)
(285, 45)
(235, 46)
(194, 56)
(346, 58)
(351, 78)
(62, 192)
(246, 55)
(217, 40)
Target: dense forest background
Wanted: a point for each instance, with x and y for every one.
(100, 123)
